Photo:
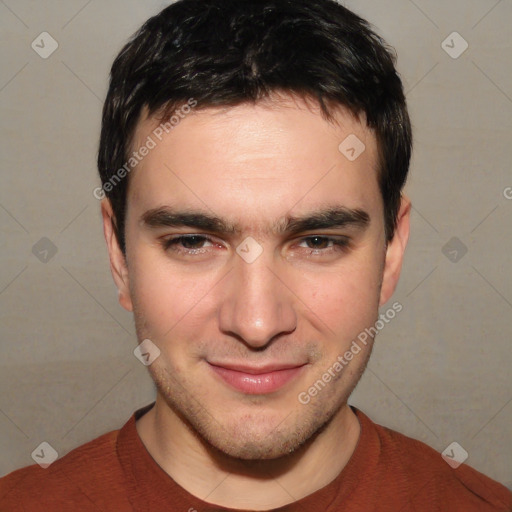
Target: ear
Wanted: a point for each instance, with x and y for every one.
(118, 265)
(395, 252)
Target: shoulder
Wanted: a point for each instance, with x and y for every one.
(81, 478)
(422, 474)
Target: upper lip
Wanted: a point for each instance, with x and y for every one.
(257, 370)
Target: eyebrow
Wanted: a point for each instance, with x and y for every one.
(331, 217)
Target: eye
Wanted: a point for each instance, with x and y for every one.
(315, 245)
(325, 244)
(187, 244)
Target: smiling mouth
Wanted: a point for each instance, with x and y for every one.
(257, 381)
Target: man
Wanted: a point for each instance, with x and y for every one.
(252, 159)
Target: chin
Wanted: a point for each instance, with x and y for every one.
(256, 437)
(245, 434)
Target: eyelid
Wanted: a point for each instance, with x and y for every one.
(210, 238)
(339, 243)
(168, 242)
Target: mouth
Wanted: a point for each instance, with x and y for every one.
(257, 380)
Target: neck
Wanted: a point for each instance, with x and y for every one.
(217, 478)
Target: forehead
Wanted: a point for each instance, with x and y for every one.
(255, 162)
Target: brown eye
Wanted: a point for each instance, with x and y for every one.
(186, 243)
(318, 242)
(325, 244)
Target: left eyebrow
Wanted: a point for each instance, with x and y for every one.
(336, 217)
(326, 218)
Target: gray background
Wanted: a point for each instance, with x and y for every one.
(440, 370)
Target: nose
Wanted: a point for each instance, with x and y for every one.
(257, 306)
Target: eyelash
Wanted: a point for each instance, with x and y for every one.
(170, 244)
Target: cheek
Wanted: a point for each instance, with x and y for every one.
(165, 297)
(345, 300)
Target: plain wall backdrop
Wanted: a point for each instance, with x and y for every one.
(440, 371)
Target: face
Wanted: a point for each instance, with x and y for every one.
(255, 255)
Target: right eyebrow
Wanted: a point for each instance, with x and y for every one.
(166, 217)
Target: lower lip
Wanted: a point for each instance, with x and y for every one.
(257, 384)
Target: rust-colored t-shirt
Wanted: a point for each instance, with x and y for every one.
(387, 472)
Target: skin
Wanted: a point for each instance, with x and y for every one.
(300, 301)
